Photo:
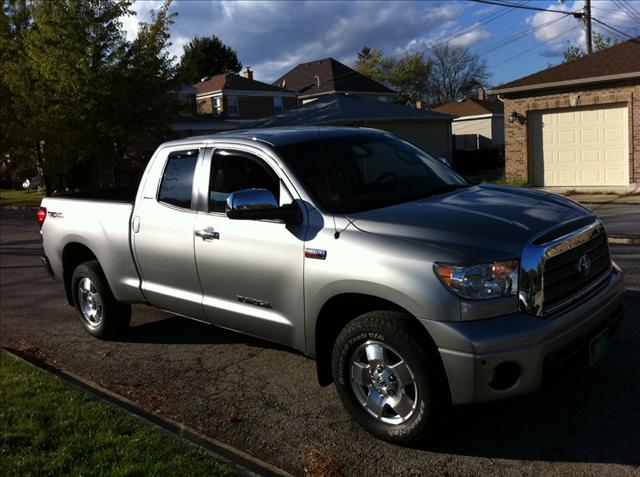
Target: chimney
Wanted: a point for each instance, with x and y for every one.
(248, 73)
(481, 94)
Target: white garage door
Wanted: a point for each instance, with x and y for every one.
(586, 146)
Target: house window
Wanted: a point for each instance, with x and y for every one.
(232, 103)
(278, 104)
(217, 105)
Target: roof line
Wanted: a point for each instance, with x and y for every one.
(555, 84)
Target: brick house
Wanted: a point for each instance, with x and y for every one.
(231, 96)
(578, 123)
(317, 78)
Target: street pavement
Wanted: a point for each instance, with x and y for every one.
(264, 399)
(618, 219)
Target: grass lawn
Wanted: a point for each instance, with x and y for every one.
(27, 198)
(49, 428)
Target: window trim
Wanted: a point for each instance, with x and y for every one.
(238, 152)
(194, 197)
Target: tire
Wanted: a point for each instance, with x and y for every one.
(100, 313)
(407, 394)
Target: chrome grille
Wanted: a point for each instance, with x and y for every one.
(549, 275)
(563, 277)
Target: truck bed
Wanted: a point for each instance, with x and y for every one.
(112, 194)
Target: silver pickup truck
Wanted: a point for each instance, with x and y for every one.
(411, 288)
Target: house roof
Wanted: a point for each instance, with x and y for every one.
(234, 82)
(471, 107)
(616, 62)
(342, 108)
(326, 76)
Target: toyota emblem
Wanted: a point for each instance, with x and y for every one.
(584, 265)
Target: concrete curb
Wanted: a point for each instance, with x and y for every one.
(624, 239)
(242, 462)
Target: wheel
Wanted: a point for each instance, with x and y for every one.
(100, 313)
(388, 380)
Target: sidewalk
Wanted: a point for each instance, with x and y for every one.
(606, 199)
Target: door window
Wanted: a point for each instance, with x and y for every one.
(177, 180)
(234, 171)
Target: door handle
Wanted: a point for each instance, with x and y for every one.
(207, 234)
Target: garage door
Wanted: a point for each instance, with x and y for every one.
(586, 146)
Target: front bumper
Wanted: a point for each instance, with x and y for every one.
(474, 353)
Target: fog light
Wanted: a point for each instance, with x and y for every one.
(504, 376)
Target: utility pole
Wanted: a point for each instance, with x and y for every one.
(587, 25)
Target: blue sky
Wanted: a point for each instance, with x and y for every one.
(273, 37)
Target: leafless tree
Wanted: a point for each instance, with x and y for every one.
(456, 71)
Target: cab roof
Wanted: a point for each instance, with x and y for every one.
(279, 136)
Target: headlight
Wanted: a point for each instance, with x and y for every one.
(478, 282)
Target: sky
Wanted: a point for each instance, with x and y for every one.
(273, 37)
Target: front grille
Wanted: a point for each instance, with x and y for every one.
(562, 277)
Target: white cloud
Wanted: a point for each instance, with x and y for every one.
(471, 38)
(557, 33)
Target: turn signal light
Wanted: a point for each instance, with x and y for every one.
(41, 215)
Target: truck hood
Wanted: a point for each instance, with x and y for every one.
(484, 222)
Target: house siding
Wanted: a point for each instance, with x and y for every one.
(250, 107)
(517, 134)
(432, 136)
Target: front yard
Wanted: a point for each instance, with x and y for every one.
(48, 428)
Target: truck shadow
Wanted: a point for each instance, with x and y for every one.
(180, 330)
(579, 415)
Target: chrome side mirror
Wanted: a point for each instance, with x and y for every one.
(260, 204)
(251, 199)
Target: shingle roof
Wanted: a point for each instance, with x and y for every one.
(233, 81)
(328, 75)
(471, 107)
(341, 109)
(616, 60)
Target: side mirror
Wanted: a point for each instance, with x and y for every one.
(260, 204)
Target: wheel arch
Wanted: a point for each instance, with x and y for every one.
(73, 254)
(341, 309)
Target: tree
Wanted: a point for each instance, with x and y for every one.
(81, 96)
(408, 75)
(573, 52)
(206, 56)
(455, 73)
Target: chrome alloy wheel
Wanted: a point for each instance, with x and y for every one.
(90, 303)
(383, 383)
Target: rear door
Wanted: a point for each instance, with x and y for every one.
(251, 271)
(163, 225)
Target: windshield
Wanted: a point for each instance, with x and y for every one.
(363, 172)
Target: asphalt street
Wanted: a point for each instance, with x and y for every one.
(264, 399)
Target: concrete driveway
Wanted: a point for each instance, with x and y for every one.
(583, 422)
(619, 219)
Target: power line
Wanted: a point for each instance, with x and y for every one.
(623, 6)
(515, 5)
(609, 27)
(468, 29)
(535, 47)
(518, 36)
(631, 8)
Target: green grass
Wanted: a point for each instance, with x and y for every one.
(48, 428)
(26, 198)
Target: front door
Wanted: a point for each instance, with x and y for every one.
(251, 271)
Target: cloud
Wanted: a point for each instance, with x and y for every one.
(470, 38)
(273, 37)
(557, 33)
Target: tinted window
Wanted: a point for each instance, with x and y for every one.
(177, 181)
(232, 171)
(361, 172)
